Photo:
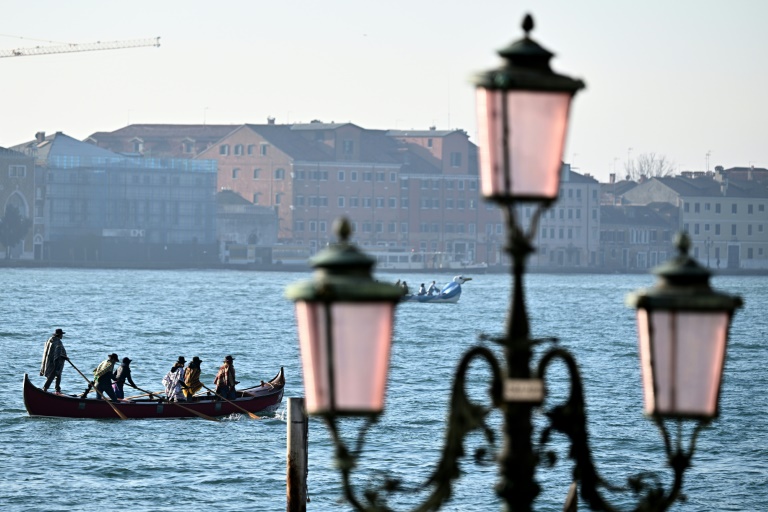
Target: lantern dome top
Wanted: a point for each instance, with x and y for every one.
(527, 68)
(683, 285)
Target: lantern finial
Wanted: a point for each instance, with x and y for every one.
(527, 24)
(343, 229)
(683, 243)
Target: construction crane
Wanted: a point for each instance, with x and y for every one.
(74, 47)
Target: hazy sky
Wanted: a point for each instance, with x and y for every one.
(679, 78)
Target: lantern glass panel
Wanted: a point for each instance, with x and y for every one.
(536, 124)
(362, 335)
(682, 354)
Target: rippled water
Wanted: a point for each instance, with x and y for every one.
(239, 464)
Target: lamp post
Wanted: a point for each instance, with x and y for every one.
(345, 319)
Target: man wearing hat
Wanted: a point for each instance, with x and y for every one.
(174, 380)
(54, 356)
(102, 376)
(192, 382)
(225, 379)
(122, 374)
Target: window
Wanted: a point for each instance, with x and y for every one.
(455, 159)
(353, 176)
(188, 146)
(238, 149)
(379, 202)
(749, 209)
(393, 177)
(429, 143)
(235, 173)
(749, 229)
(263, 149)
(367, 176)
(392, 202)
(256, 198)
(341, 201)
(341, 175)
(224, 149)
(256, 173)
(366, 202)
(687, 207)
(380, 176)
(761, 207)
(696, 208)
(707, 207)
(717, 207)
(17, 171)
(696, 229)
(348, 147)
(250, 149)
(280, 174)
(717, 229)
(354, 202)
(278, 197)
(733, 229)
(734, 208)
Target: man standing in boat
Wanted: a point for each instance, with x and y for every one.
(225, 379)
(121, 375)
(54, 356)
(174, 380)
(102, 376)
(192, 382)
(432, 289)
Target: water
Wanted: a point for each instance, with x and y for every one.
(239, 464)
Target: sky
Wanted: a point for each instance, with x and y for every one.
(683, 79)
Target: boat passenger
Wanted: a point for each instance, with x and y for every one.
(432, 289)
(174, 380)
(54, 355)
(192, 382)
(422, 289)
(102, 377)
(405, 288)
(122, 374)
(225, 379)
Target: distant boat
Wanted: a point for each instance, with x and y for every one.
(450, 294)
(265, 398)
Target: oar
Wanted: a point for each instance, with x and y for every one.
(113, 406)
(253, 416)
(148, 393)
(191, 411)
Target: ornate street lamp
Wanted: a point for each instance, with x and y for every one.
(345, 322)
(345, 331)
(683, 331)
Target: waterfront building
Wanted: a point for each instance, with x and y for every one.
(568, 235)
(246, 232)
(723, 211)
(105, 208)
(17, 189)
(636, 238)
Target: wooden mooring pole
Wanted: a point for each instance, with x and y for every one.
(296, 477)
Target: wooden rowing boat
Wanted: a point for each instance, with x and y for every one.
(263, 399)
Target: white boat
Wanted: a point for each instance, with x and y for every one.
(451, 293)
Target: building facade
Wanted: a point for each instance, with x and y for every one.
(724, 212)
(17, 189)
(102, 207)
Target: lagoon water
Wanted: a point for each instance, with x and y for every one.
(239, 464)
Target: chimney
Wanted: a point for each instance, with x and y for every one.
(432, 128)
(270, 120)
(724, 187)
(40, 137)
(612, 178)
(750, 172)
